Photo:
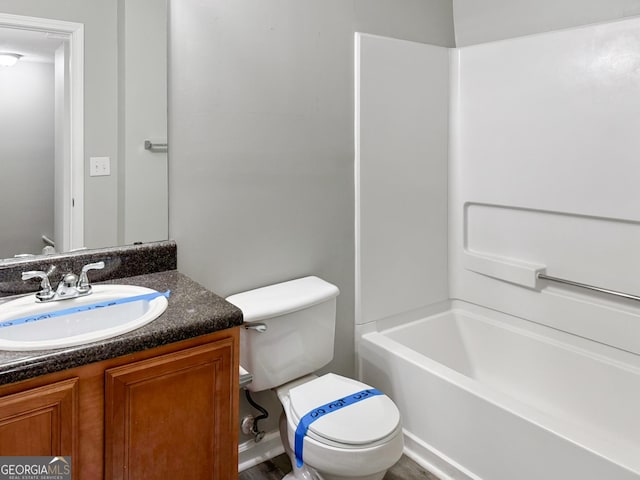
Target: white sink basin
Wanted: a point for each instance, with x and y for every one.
(109, 311)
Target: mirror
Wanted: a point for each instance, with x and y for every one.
(82, 177)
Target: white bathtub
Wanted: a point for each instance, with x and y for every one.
(488, 396)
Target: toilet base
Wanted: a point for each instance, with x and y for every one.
(291, 476)
(303, 473)
(377, 476)
(307, 473)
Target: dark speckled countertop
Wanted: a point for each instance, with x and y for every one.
(192, 311)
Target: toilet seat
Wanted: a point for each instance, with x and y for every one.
(365, 423)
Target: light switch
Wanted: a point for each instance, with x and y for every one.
(99, 166)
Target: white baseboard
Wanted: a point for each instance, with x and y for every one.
(252, 453)
(433, 460)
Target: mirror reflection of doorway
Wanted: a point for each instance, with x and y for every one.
(41, 101)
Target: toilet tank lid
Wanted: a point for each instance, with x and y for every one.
(283, 298)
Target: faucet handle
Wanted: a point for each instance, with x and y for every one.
(83, 283)
(45, 293)
(92, 266)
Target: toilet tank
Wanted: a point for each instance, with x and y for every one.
(299, 316)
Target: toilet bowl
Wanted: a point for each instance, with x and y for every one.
(332, 427)
(358, 442)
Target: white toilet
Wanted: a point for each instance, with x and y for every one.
(349, 430)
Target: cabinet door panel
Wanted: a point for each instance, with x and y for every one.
(171, 416)
(40, 421)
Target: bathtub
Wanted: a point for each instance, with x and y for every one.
(484, 395)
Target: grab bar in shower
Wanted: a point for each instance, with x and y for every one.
(542, 276)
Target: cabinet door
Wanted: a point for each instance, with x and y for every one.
(40, 421)
(172, 416)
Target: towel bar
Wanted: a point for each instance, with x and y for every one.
(149, 145)
(542, 276)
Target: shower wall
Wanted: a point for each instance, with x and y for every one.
(489, 20)
(544, 178)
(402, 91)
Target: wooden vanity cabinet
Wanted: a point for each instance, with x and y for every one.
(168, 417)
(168, 412)
(41, 421)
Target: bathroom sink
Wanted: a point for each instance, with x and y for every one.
(109, 311)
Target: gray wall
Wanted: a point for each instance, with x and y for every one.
(262, 144)
(488, 20)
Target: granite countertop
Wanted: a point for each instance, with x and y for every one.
(192, 311)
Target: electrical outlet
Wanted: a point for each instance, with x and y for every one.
(99, 166)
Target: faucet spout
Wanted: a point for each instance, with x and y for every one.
(67, 287)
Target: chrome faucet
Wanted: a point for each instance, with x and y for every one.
(70, 286)
(83, 285)
(46, 293)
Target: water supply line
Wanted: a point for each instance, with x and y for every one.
(255, 430)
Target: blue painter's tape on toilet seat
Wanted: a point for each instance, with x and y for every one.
(321, 411)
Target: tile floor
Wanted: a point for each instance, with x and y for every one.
(275, 469)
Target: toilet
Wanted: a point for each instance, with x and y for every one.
(333, 427)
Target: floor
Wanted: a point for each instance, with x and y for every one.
(275, 469)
